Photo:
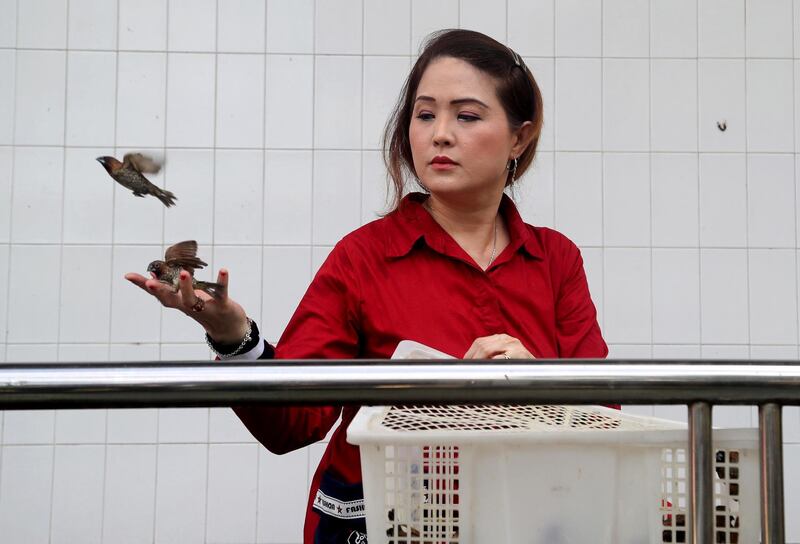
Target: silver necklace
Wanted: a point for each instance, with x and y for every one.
(427, 205)
(494, 245)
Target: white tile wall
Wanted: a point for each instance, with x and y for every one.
(31, 315)
(8, 60)
(430, 15)
(241, 26)
(240, 101)
(674, 199)
(143, 25)
(8, 23)
(483, 17)
(26, 478)
(280, 515)
(129, 493)
(336, 195)
(190, 99)
(673, 28)
(88, 25)
(673, 88)
(232, 493)
(287, 197)
(181, 493)
(520, 38)
(91, 98)
(386, 27)
(626, 199)
(289, 101)
(626, 28)
(578, 108)
(627, 295)
(290, 26)
(238, 194)
(192, 25)
(338, 28)
(189, 174)
(337, 102)
(82, 265)
(286, 277)
(39, 31)
(578, 28)
(141, 98)
(721, 28)
(721, 99)
(269, 116)
(40, 90)
(37, 194)
(723, 200)
(77, 503)
(578, 197)
(724, 291)
(769, 28)
(770, 201)
(626, 101)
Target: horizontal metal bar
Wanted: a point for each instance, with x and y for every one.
(205, 383)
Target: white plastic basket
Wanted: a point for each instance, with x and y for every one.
(543, 474)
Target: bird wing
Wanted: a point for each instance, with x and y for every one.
(184, 254)
(141, 163)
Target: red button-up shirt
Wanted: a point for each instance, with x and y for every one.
(403, 277)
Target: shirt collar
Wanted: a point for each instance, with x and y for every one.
(411, 222)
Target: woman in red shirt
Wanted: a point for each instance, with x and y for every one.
(453, 267)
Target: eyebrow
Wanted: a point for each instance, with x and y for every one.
(466, 100)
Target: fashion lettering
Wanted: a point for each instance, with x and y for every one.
(354, 509)
(326, 504)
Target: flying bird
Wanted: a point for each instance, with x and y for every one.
(130, 174)
(183, 256)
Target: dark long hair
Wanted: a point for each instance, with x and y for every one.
(516, 90)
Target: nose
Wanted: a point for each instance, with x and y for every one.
(442, 133)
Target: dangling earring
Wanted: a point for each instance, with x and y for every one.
(512, 167)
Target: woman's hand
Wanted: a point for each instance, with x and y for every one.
(497, 346)
(223, 318)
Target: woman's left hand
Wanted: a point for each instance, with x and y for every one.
(497, 346)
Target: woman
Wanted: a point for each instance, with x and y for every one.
(454, 267)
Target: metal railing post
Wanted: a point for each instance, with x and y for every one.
(701, 467)
(771, 462)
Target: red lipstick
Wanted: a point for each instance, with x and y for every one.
(443, 162)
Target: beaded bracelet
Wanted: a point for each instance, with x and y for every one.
(218, 349)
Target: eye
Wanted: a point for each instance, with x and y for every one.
(468, 117)
(425, 116)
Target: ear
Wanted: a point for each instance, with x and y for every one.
(522, 137)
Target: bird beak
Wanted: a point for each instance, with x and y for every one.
(101, 160)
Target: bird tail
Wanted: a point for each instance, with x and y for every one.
(213, 289)
(165, 196)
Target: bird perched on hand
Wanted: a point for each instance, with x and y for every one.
(130, 174)
(183, 256)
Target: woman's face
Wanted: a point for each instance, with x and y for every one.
(459, 134)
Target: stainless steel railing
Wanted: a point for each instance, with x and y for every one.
(698, 384)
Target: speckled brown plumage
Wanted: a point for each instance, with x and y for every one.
(130, 174)
(182, 256)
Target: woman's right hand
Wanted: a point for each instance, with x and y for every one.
(223, 318)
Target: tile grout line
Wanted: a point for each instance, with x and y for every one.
(263, 227)
(747, 195)
(213, 242)
(699, 198)
(794, 185)
(650, 170)
(60, 260)
(110, 287)
(163, 244)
